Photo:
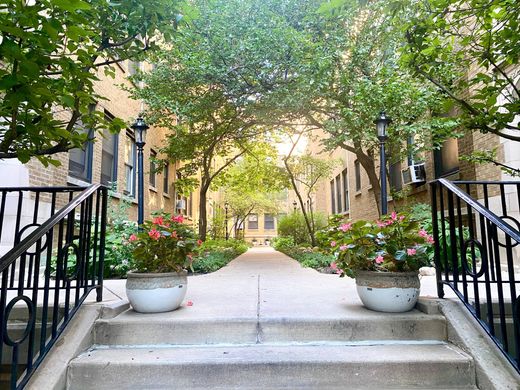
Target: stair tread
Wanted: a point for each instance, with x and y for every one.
(262, 353)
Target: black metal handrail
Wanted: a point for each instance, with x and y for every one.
(474, 256)
(50, 271)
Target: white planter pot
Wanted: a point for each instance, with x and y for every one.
(156, 293)
(391, 292)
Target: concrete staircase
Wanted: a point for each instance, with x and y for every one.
(367, 351)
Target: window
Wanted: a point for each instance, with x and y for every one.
(332, 197)
(395, 179)
(109, 157)
(357, 171)
(152, 174)
(346, 200)
(252, 221)
(268, 222)
(166, 181)
(447, 158)
(338, 193)
(130, 158)
(133, 67)
(80, 160)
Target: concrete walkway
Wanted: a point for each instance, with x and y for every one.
(267, 284)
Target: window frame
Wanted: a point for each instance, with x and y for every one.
(115, 153)
(152, 175)
(166, 179)
(249, 220)
(132, 193)
(269, 218)
(88, 152)
(346, 195)
(333, 196)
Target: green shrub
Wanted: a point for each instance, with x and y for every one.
(314, 260)
(238, 246)
(213, 261)
(293, 225)
(215, 254)
(422, 213)
(283, 244)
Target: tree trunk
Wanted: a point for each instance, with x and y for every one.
(203, 218)
(370, 168)
(302, 204)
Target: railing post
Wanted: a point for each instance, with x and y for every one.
(101, 262)
(437, 252)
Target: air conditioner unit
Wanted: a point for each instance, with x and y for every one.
(414, 174)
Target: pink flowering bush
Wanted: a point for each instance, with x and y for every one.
(395, 243)
(164, 244)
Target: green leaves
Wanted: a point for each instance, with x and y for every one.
(50, 50)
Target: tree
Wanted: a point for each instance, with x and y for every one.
(256, 183)
(470, 51)
(357, 75)
(304, 173)
(51, 51)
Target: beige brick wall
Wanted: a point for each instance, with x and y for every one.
(118, 103)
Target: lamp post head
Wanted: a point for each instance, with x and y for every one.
(382, 123)
(140, 128)
(226, 206)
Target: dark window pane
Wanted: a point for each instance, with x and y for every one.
(332, 197)
(357, 171)
(152, 174)
(166, 182)
(252, 221)
(446, 160)
(109, 158)
(395, 179)
(346, 200)
(338, 193)
(80, 160)
(268, 222)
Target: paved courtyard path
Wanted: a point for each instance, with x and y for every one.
(264, 283)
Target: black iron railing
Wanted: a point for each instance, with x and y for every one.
(477, 254)
(55, 261)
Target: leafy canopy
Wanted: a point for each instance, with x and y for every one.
(51, 51)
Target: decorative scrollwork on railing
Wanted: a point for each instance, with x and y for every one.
(515, 221)
(471, 243)
(30, 321)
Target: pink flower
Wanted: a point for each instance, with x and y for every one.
(345, 227)
(334, 266)
(174, 234)
(199, 242)
(393, 215)
(380, 224)
(389, 222)
(430, 240)
(333, 243)
(411, 251)
(154, 234)
(343, 248)
(379, 259)
(189, 303)
(178, 219)
(158, 221)
(401, 218)
(132, 237)
(423, 233)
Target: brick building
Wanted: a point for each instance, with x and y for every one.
(109, 159)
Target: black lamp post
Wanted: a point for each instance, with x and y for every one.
(226, 208)
(294, 205)
(382, 123)
(140, 128)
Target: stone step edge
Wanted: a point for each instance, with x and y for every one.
(361, 343)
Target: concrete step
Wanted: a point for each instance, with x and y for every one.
(322, 366)
(132, 328)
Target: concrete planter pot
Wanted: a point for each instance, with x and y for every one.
(390, 292)
(156, 292)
